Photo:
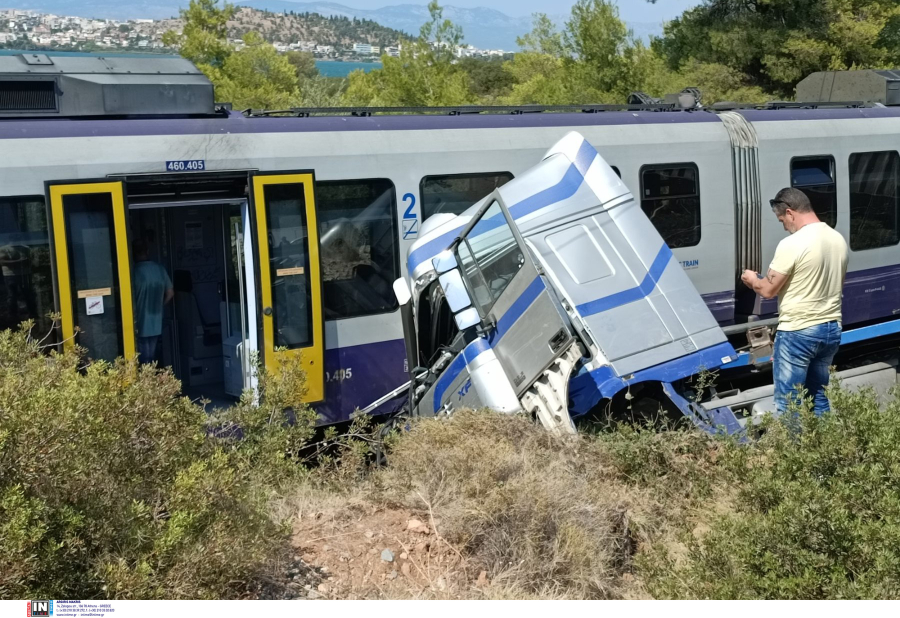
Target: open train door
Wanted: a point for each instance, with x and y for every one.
(289, 274)
(92, 266)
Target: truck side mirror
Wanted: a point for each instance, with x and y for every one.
(455, 291)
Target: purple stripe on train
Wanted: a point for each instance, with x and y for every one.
(871, 294)
(358, 375)
(721, 305)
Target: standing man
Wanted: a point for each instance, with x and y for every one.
(152, 290)
(807, 274)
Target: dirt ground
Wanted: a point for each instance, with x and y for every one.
(370, 552)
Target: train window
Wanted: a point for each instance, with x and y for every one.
(616, 170)
(26, 288)
(359, 247)
(670, 197)
(455, 193)
(873, 200)
(816, 178)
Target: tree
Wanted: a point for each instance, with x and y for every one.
(596, 59)
(424, 74)
(257, 77)
(203, 40)
(777, 43)
(304, 63)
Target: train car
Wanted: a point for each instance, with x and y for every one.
(282, 234)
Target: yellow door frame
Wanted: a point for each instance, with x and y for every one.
(57, 191)
(312, 357)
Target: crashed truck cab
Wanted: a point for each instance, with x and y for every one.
(550, 296)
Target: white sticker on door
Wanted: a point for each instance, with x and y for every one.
(94, 305)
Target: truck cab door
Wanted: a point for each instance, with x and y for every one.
(519, 317)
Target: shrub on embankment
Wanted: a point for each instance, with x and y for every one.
(112, 485)
(810, 510)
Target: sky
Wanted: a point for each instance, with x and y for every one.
(630, 10)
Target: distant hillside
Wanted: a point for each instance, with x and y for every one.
(339, 31)
(483, 27)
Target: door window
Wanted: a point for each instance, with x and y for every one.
(490, 257)
(93, 264)
(289, 265)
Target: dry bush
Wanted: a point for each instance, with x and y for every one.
(545, 517)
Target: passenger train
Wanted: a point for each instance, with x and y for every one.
(282, 234)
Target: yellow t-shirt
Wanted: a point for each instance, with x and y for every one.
(814, 258)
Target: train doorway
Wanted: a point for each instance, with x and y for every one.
(205, 334)
(241, 252)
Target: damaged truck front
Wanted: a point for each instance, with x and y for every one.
(552, 296)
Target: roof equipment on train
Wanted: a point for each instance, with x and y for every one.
(44, 85)
(869, 85)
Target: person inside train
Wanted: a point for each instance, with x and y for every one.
(152, 291)
(807, 274)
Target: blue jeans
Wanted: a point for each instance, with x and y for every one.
(147, 349)
(802, 358)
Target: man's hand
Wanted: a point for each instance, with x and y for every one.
(749, 277)
(768, 286)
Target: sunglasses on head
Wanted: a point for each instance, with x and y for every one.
(774, 203)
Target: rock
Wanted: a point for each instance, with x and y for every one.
(392, 574)
(482, 580)
(307, 587)
(387, 555)
(441, 583)
(405, 568)
(308, 558)
(404, 556)
(323, 588)
(373, 551)
(312, 594)
(369, 534)
(421, 547)
(415, 525)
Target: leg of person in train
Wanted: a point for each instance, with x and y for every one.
(147, 347)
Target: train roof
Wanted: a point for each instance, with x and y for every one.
(238, 123)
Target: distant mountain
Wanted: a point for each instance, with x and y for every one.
(483, 27)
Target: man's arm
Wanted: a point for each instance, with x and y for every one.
(768, 286)
(170, 293)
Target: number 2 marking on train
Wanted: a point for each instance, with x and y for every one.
(410, 221)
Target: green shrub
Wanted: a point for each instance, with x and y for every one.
(814, 512)
(112, 484)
